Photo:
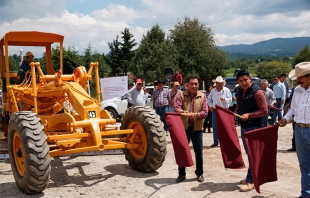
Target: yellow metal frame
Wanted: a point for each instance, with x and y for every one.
(72, 120)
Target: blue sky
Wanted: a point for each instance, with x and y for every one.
(98, 22)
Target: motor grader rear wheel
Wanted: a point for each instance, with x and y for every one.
(150, 136)
(29, 152)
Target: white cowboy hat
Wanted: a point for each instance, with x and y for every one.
(219, 79)
(301, 69)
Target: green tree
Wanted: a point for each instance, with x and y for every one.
(113, 58)
(302, 56)
(13, 64)
(154, 54)
(271, 69)
(71, 59)
(91, 55)
(127, 52)
(198, 53)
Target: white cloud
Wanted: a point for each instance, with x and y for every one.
(232, 21)
(116, 13)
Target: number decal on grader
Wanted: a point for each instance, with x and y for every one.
(48, 115)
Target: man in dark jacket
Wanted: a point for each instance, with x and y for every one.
(24, 67)
(251, 106)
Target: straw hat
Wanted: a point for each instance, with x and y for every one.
(301, 69)
(219, 79)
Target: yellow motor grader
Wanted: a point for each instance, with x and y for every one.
(48, 115)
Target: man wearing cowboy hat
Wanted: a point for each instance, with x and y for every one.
(300, 112)
(219, 96)
(161, 98)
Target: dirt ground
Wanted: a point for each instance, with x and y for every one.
(111, 176)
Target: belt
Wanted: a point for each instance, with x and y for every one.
(303, 125)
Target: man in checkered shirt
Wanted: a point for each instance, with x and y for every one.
(160, 99)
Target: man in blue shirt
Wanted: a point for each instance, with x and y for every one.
(24, 67)
(279, 93)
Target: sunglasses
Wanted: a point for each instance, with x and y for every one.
(275, 79)
(139, 83)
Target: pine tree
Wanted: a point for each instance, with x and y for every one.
(127, 52)
(113, 58)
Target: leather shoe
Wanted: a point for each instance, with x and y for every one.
(214, 145)
(180, 179)
(200, 178)
(246, 187)
(243, 181)
(291, 149)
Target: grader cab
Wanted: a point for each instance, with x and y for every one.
(48, 115)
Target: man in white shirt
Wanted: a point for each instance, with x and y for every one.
(300, 109)
(221, 96)
(135, 95)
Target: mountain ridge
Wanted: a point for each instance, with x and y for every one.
(271, 47)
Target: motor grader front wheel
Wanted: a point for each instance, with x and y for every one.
(150, 137)
(29, 152)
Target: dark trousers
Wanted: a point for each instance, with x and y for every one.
(196, 138)
(276, 113)
(129, 105)
(249, 178)
(293, 139)
(161, 112)
(208, 122)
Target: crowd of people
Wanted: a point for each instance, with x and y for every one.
(252, 103)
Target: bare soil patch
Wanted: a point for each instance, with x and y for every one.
(111, 176)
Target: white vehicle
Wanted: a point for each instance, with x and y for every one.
(117, 106)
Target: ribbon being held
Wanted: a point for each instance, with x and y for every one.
(179, 140)
(227, 133)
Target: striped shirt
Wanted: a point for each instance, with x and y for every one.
(161, 98)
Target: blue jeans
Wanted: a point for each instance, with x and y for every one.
(171, 109)
(276, 113)
(196, 138)
(215, 136)
(265, 119)
(302, 140)
(161, 112)
(249, 178)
